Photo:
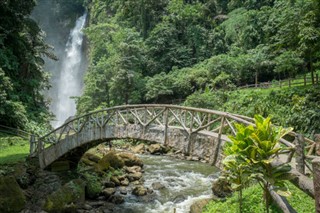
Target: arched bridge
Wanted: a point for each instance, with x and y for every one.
(194, 131)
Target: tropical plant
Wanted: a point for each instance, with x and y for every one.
(251, 154)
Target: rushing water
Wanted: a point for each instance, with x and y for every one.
(184, 181)
(69, 83)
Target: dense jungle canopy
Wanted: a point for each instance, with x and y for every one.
(156, 51)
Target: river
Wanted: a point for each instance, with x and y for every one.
(184, 181)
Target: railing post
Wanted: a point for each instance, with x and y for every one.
(215, 157)
(300, 165)
(165, 116)
(190, 134)
(289, 82)
(316, 182)
(32, 144)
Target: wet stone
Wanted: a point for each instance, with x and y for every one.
(109, 184)
(125, 182)
(108, 192)
(116, 199)
(157, 186)
(123, 190)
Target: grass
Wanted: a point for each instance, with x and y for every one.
(12, 149)
(253, 202)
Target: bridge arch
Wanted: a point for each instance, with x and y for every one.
(194, 131)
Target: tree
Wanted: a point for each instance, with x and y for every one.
(255, 148)
(22, 49)
(309, 37)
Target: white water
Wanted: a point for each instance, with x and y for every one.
(184, 181)
(70, 81)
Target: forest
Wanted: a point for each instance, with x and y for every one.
(255, 58)
(192, 52)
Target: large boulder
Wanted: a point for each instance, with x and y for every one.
(155, 148)
(111, 159)
(139, 149)
(130, 159)
(221, 188)
(139, 191)
(93, 185)
(134, 176)
(107, 192)
(158, 186)
(197, 206)
(66, 198)
(133, 169)
(12, 198)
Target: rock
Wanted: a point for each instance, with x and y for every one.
(134, 176)
(122, 177)
(93, 186)
(115, 180)
(195, 158)
(116, 199)
(109, 184)
(157, 186)
(124, 182)
(123, 190)
(111, 159)
(130, 159)
(92, 157)
(87, 207)
(132, 169)
(179, 198)
(221, 188)
(139, 149)
(178, 152)
(60, 166)
(136, 182)
(96, 204)
(21, 175)
(66, 198)
(139, 191)
(107, 192)
(155, 148)
(197, 206)
(149, 191)
(12, 198)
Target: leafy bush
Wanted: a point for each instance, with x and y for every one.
(252, 202)
(93, 185)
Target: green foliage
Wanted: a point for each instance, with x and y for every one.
(252, 202)
(111, 160)
(93, 185)
(250, 155)
(297, 107)
(13, 149)
(22, 77)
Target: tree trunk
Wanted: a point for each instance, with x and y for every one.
(302, 182)
(267, 197)
(281, 202)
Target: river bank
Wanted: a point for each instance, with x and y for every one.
(112, 181)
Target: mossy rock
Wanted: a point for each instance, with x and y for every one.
(111, 159)
(12, 198)
(130, 159)
(93, 185)
(61, 200)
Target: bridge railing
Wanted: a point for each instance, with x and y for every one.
(191, 120)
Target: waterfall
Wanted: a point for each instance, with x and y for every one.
(70, 81)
